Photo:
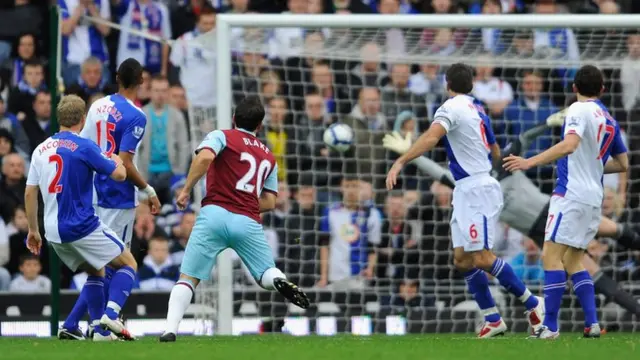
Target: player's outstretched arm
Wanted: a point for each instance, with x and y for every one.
(198, 168)
(425, 142)
(134, 176)
(617, 164)
(34, 242)
(565, 147)
(396, 143)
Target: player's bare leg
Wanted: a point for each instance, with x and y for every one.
(583, 288)
(179, 301)
(478, 285)
(119, 290)
(487, 261)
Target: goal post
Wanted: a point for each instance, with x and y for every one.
(367, 25)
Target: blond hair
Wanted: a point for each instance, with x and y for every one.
(71, 110)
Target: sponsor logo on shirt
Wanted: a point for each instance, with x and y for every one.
(138, 131)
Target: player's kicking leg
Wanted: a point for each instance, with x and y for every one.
(208, 238)
(569, 224)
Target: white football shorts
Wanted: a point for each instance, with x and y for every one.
(477, 203)
(120, 221)
(97, 249)
(571, 223)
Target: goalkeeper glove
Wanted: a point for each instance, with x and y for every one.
(557, 119)
(396, 143)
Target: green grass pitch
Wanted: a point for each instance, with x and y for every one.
(380, 347)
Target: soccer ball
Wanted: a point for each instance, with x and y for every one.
(338, 137)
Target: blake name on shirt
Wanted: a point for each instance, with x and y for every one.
(58, 143)
(256, 143)
(111, 110)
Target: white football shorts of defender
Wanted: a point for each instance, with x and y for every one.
(477, 197)
(575, 209)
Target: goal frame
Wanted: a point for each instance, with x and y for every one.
(225, 22)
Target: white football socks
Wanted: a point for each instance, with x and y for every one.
(179, 301)
(267, 278)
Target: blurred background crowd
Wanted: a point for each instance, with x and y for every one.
(334, 225)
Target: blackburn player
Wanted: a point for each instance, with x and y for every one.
(242, 182)
(526, 207)
(117, 126)
(477, 197)
(62, 168)
(590, 137)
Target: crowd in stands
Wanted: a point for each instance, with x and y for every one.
(334, 226)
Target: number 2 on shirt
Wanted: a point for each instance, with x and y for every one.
(609, 132)
(111, 142)
(54, 186)
(263, 172)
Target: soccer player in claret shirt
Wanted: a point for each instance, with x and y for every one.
(242, 182)
(590, 136)
(117, 126)
(62, 168)
(477, 197)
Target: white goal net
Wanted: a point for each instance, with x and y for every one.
(375, 261)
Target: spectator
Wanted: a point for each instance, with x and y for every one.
(19, 17)
(184, 14)
(37, 124)
(147, 16)
(491, 90)
(347, 260)
(83, 39)
(603, 43)
(556, 43)
(528, 264)
(630, 73)
(312, 153)
(288, 42)
(336, 99)
(270, 85)
(22, 95)
(170, 216)
(352, 6)
(277, 134)
(529, 109)
(397, 252)
(182, 234)
(407, 295)
(178, 99)
(397, 97)
(91, 80)
(12, 185)
(30, 280)
(296, 232)
(12, 70)
(430, 83)
(144, 91)
(144, 229)
(298, 69)
(246, 73)
(158, 272)
(16, 240)
(494, 41)
(164, 152)
(7, 145)
(196, 63)
(368, 125)
(394, 39)
(5, 256)
(370, 71)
